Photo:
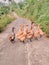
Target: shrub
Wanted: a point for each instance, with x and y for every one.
(4, 10)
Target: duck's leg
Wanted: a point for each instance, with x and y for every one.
(30, 40)
(36, 38)
(23, 41)
(40, 36)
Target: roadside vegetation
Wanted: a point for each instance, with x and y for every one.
(4, 20)
(6, 17)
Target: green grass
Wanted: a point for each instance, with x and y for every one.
(4, 20)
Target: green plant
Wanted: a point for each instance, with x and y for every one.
(4, 21)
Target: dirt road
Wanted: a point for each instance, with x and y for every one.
(28, 53)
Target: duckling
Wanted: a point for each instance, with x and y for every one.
(12, 35)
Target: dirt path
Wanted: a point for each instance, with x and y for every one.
(30, 53)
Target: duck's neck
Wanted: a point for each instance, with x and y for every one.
(13, 30)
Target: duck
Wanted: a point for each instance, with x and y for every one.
(12, 35)
(20, 32)
(41, 33)
(30, 33)
(35, 31)
(24, 35)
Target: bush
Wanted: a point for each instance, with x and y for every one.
(4, 10)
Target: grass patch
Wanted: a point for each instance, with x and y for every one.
(4, 20)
